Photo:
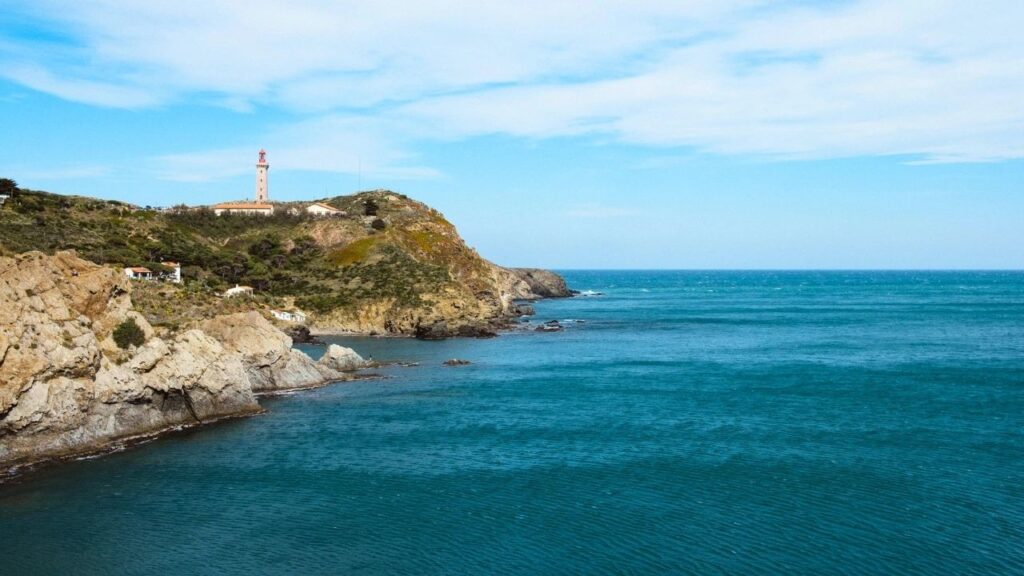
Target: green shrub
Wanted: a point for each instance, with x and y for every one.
(128, 334)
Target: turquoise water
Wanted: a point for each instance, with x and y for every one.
(721, 422)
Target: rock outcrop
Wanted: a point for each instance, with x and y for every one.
(541, 284)
(269, 359)
(66, 387)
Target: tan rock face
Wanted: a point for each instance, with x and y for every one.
(496, 290)
(65, 387)
(269, 359)
(341, 359)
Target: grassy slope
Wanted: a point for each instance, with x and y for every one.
(322, 264)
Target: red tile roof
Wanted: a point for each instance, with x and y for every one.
(243, 206)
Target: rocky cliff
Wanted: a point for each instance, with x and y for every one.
(66, 386)
(409, 270)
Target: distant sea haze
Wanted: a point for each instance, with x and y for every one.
(681, 423)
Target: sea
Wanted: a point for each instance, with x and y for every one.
(682, 422)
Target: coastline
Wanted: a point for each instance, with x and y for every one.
(69, 386)
(68, 390)
(16, 469)
(14, 472)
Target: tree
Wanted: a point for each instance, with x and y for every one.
(265, 247)
(370, 207)
(8, 186)
(128, 334)
(305, 245)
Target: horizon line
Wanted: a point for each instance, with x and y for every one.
(561, 269)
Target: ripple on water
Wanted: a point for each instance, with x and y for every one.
(836, 423)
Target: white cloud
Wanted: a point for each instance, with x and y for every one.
(85, 91)
(937, 80)
(326, 143)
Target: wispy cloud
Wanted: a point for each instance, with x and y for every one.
(81, 90)
(325, 143)
(938, 80)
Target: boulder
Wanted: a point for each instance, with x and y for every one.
(340, 359)
(433, 331)
(524, 310)
(543, 283)
(550, 326)
(301, 335)
(270, 361)
(475, 331)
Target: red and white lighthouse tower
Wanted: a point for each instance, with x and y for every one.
(262, 168)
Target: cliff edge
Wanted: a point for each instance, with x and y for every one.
(67, 387)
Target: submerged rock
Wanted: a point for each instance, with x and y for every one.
(456, 362)
(524, 310)
(550, 326)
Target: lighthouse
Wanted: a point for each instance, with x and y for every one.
(261, 178)
(262, 205)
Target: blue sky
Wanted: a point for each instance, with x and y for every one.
(644, 134)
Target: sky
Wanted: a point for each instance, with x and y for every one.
(836, 134)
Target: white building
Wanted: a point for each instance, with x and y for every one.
(138, 273)
(321, 209)
(243, 208)
(295, 316)
(3, 198)
(238, 291)
(262, 205)
(175, 274)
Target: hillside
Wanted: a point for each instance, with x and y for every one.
(390, 265)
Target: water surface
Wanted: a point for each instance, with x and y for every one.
(695, 422)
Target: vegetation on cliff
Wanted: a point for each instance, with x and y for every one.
(128, 334)
(390, 264)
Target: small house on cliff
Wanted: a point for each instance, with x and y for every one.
(321, 209)
(138, 273)
(238, 291)
(174, 274)
(285, 316)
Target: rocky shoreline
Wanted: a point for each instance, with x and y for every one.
(68, 389)
(520, 287)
